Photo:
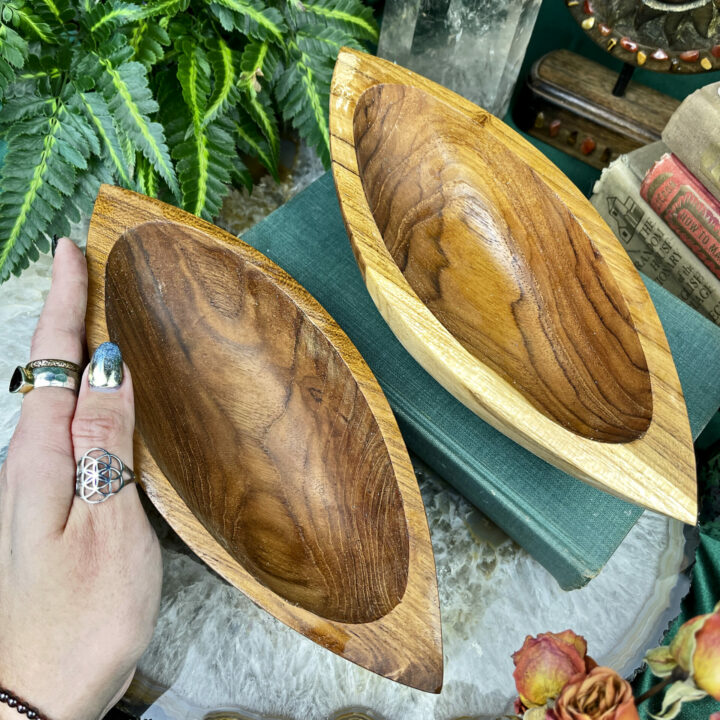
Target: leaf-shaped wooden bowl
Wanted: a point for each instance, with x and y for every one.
(263, 437)
(505, 284)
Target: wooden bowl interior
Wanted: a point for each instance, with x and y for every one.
(253, 416)
(501, 263)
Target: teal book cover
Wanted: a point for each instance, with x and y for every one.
(569, 527)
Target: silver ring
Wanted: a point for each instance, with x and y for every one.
(100, 475)
(45, 373)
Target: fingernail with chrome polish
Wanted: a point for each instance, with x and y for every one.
(53, 246)
(106, 368)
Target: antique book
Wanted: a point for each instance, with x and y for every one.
(568, 526)
(689, 210)
(652, 246)
(693, 134)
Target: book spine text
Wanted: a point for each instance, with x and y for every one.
(687, 208)
(651, 245)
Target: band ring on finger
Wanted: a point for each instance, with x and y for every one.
(45, 373)
(101, 475)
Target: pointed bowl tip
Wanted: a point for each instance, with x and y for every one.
(688, 512)
(425, 675)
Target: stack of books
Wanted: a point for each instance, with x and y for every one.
(663, 202)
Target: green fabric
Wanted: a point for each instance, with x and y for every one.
(571, 528)
(705, 587)
(704, 593)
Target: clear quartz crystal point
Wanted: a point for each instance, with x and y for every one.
(474, 47)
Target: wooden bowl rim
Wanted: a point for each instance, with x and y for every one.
(361, 643)
(630, 464)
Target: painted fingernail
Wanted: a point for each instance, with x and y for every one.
(53, 246)
(106, 367)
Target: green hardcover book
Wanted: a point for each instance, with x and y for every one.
(568, 526)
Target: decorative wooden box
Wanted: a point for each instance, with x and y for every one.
(568, 103)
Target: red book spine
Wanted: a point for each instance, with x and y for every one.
(686, 206)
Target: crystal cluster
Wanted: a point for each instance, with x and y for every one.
(474, 47)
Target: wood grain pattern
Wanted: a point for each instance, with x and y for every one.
(506, 285)
(263, 437)
(569, 345)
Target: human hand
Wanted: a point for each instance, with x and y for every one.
(79, 583)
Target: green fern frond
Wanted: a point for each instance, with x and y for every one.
(250, 17)
(7, 76)
(350, 16)
(39, 167)
(128, 147)
(259, 60)
(326, 43)
(252, 142)
(35, 25)
(56, 12)
(158, 95)
(224, 92)
(79, 203)
(166, 8)
(194, 77)
(205, 162)
(13, 48)
(22, 107)
(304, 96)
(240, 175)
(82, 128)
(259, 106)
(99, 114)
(147, 177)
(147, 40)
(107, 16)
(125, 89)
(203, 150)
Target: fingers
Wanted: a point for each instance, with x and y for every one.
(40, 461)
(60, 335)
(60, 331)
(105, 418)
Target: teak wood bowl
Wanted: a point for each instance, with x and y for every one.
(505, 284)
(263, 438)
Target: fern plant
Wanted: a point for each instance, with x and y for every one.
(159, 96)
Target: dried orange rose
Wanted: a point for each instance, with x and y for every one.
(695, 649)
(600, 695)
(705, 661)
(546, 663)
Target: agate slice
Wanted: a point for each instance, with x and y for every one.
(505, 284)
(263, 437)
